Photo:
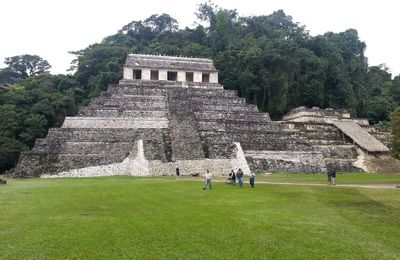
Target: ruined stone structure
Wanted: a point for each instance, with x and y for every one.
(343, 141)
(170, 112)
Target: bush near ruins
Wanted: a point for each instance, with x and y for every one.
(395, 117)
(271, 60)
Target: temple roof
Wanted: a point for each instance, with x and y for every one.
(169, 62)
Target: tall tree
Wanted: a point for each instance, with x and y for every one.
(27, 65)
(207, 12)
(162, 22)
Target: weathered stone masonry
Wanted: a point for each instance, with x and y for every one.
(171, 112)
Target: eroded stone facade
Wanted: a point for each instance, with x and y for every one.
(150, 126)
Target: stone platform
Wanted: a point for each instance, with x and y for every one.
(159, 118)
(195, 128)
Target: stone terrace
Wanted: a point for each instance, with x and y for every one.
(177, 123)
(171, 112)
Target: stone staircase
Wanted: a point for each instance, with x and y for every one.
(177, 123)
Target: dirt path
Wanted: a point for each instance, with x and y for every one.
(369, 186)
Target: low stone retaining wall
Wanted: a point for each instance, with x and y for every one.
(286, 161)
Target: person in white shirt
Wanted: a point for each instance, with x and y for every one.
(252, 178)
(207, 179)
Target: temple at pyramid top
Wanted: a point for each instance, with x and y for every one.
(157, 67)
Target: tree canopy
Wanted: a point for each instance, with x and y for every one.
(271, 60)
(27, 65)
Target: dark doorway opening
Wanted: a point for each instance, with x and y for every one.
(154, 75)
(172, 75)
(189, 76)
(205, 77)
(137, 74)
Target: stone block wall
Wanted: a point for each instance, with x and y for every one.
(286, 161)
(337, 149)
(195, 125)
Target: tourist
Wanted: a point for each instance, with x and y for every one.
(177, 172)
(233, 176)
(239, 175)
(207, 179)
(328, 173)
(252, 179)
(333, 176)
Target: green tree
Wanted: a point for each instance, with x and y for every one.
(207, 12)
(27, 65)
(161, 23)
(395, 122)
(10, 149)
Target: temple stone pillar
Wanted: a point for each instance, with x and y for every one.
(162, 75)
(128, 73)
(181, 75)
(214, 77)
(197, 76)
(146, 74)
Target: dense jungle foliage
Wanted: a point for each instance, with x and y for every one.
(271, 60)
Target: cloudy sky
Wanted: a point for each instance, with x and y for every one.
(51, 28)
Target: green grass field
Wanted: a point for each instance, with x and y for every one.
(164, 218)
(347, 178)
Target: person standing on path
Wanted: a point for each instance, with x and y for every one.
(233, 176)
(239, 175)
(329, 175)
(333, 176)
(252, 179)
(177, 172)
(207, 179)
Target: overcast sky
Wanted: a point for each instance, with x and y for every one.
(51, 28)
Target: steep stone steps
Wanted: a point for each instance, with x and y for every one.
(232, 116)
(130, 105)
(217, 145)
(315, 142)
(103, 135)
(130, 99)
(226, 108)
(337, 151)
(85, 147)
(186, 143)
(116, 112)
(234, 125)
(273, 141)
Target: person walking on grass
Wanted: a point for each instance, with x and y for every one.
(329, 176)
(333, 176)
(239, 175)
(207, 180)
(233, 176)
(252, 178)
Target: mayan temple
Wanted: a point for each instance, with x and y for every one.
(170, 112)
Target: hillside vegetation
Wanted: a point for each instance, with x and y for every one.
(271, 60)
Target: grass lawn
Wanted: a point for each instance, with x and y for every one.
(161, 218)
(346, 178)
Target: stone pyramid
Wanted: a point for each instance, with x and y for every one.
(167, 112)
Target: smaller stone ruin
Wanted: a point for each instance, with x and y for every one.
(344, 142)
